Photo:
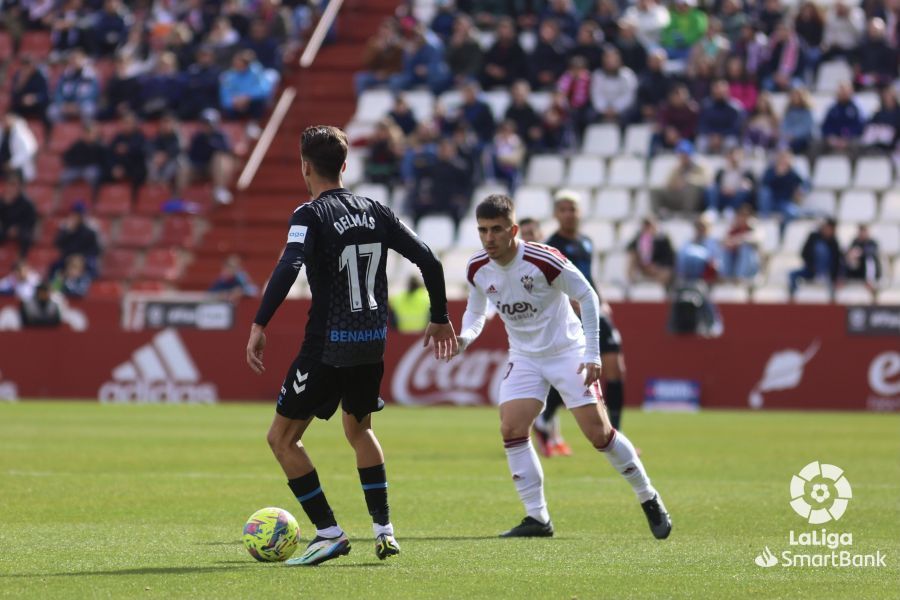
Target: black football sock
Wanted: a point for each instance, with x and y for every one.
(311, 497)
(374, 485)
(615, 400)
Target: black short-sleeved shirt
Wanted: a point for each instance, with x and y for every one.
(343, 240)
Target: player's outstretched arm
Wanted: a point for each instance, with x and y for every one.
(446, 345)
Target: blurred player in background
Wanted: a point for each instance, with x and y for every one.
(531, 286)
(343, 241)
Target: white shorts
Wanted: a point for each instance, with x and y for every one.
(530, 377)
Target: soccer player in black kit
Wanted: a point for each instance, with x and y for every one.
(343, 241)
(579, 249)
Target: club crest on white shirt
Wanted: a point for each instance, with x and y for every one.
(527, 283)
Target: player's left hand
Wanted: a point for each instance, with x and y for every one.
(592, 372)
(445, 344)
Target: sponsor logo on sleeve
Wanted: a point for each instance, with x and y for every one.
(297, 233)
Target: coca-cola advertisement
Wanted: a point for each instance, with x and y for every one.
(769, 357)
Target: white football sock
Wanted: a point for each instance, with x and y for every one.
(622, 456)
(330, 532)
(382, 529)
(528, 477)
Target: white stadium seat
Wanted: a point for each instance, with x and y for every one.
(627, 232)
(615, 269)
(820, 105)
(895, 280)
(467, 237)
(586, 171)
(602, 233)
(857, 207)
(821, 202)
(626, 172)
(775, 294)
(373, 105)
(637, 139)
(795, 236)
(780, 265)
(601, 140)
(845, 233)
(451, 100)
(454, 262)
(868, 103)
(832, 74)
(641, 203)
(801, 165)
(730, 293)
(498, 100)
(546, 170)
(355, 170)
(374, 191)
(611, 292)
(680, 232)
(612, 204)
(359, 130)
(534, 202)
(421, 103)
(647, 291)
(873, 173)
(889, 297)
(660, 169)
(436, 231)
(831, 172)
(890, 207)
(854, 294)
(770, 236)
(779, 102)
(540, 101)
(812, 293)
(888, 237)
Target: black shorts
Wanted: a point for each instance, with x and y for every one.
(314, 389)
(610, 338)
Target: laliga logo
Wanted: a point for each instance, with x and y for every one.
(820, 493)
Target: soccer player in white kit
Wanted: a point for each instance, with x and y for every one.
(530, 285)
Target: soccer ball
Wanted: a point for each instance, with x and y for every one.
(271, 534)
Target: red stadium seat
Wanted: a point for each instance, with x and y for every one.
(65, 134)
(41, 258)
(105, 290)
(161, 264)
(178, 231)
(151, 199)
(49, 166)
(37, 43)
(148, 286)
(48, 228)
(118, 263)
(44, 198)
(8, 256)
(114, 200)
(104, 228)
(75, 192)
(136, 231)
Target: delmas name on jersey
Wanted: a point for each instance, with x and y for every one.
(354, 220)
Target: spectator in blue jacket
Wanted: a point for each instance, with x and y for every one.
(563, 12)
(721, 120)
(245, 88)
(797, 125)
(781, 189)
(210, 157)
(843, 124)
(77, 91)
(162, 90)
(423, 64)
(201, 85)
(108, 30)
(477, 113)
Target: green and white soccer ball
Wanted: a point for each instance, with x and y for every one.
(271, 534)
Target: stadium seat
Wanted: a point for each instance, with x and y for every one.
(895, 279)
(151, 199)
(612, 204)
(769, 234)
(832, 74)
(890, 207)
(467, 236)
(615, 269)
(47, 230)
(114, 200)
(136, 231)
(437, 231)
(647, 291)
(40, 259)
(641, 203)
(359, 132)
(795, 235)
(626, 172)
(586, 172)
(660, 168)
(421, 103)
(889, 297)
(372, 105)
(75, 192)
(845, 233)
(65, 133)
(374, 191)
(868, 103)
(853, 293)
(498, 100)
(801, 165)
(534, 202)
(680, 231)
(873, 173)
(450, 101)
(105, 290)
(734, 293)
(821, 202)
(820, 105)
(546, 170)
(888, 237)
(831, 172)
(779, 102)
(160, 264)
(602, 233)
(147, 286)
(637, 139)
(540, 101)
(601, 140)
(627, 232)
(44, 199)
(812, 293)
(775, 294)
(118, 263)
(780, 265)
(454, 263)
(857, 207)
(48, 167)
(355, 170)
(178, 231)
(483, 191)
(612, 293)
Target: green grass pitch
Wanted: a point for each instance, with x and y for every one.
(148, 502)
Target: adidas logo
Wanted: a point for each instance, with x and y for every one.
(159, 371)
(492, 289)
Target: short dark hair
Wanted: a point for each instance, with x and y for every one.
(496, 206)
(526, 221)
(325, 147)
